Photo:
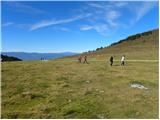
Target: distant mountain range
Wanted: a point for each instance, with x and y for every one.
(38, 56)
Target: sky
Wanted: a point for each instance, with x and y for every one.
(67, 26)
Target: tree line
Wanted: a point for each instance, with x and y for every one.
(8, 58)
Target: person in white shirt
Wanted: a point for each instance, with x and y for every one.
(122, 60)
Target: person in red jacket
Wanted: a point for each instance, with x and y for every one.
(80, 59)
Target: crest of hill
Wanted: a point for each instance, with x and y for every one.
(139, 46)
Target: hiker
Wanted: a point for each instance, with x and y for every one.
(122, 60)
(85, 59)
(80, 59)
(111, 60)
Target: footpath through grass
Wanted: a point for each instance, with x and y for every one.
(61, 89)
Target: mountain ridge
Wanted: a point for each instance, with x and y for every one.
(38, 56)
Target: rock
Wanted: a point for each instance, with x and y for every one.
(139, 86)
(88, 81)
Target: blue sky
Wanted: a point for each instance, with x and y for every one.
(73, 26)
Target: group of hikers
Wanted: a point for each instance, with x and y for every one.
(122, 60)
(83, 59)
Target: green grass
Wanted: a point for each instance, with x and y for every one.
(65, 88)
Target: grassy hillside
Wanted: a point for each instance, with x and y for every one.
(64, 88)
(145, 46)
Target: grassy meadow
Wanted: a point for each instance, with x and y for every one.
(67, 89)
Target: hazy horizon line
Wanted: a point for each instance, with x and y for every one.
(39, 52)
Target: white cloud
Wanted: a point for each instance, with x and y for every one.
(7, 24)
(112, 23)
(46, 23)
(111, 15)
(120, 3)
(113, 10)
(144, 9)
(96, 5)
(102, 22)
(139, 11)
(107, 14)
(51, 22)
(86, 27)
(100, 28)
(101, 16)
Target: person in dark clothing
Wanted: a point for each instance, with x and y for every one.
(85, 59)
(111, 60)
